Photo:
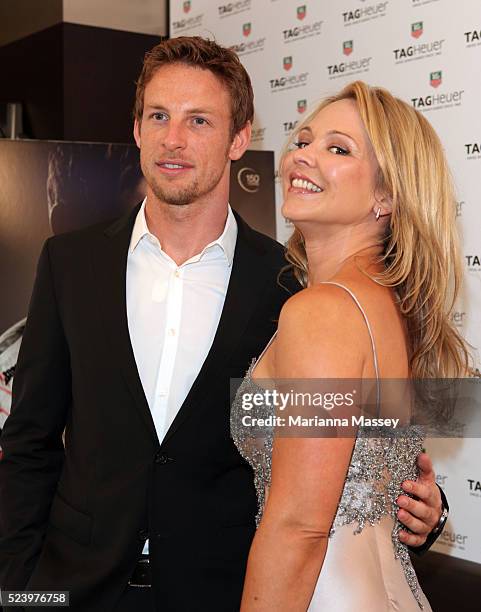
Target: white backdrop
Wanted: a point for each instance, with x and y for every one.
(427, 52)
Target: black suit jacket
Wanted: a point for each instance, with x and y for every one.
(77, 518)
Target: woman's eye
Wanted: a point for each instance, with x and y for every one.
(338, 150)
(301, 144)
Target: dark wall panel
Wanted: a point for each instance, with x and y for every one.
(75, 82)
(32, 73)
(100, 69)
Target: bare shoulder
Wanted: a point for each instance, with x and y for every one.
(312, 296)
(318, 308)
(321, 333)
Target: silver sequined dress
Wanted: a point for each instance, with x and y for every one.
(366, 568)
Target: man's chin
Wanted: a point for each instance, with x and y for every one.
(177, 201)
(183, 198)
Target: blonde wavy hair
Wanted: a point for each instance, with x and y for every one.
(421, 253)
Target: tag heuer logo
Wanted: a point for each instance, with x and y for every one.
(246, 29)
(436, 78)
(287, 63)
(301, 11)
(301, 106)
(347, 47)
(416, 29)
(186, 6)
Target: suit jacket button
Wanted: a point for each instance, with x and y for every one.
(162, 458)
(143, 535)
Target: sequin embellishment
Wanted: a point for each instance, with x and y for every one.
(377, 469)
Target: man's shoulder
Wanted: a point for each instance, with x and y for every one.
(273, 257)
(81, 238)
(260, 241)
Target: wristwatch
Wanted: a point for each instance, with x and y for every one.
(436, 532)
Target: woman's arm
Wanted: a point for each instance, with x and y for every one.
(321, 335)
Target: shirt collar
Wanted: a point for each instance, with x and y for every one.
(228, 238)
(226, 241)
(140, 228)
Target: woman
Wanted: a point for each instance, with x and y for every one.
(367, 187)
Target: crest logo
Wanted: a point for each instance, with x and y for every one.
(347, 47)
(301, 106)
(436, 78)
(186, 6)
(287, 62)
(246, 29)
(417, 29)
(301, 12)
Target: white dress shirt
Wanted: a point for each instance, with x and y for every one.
(173, 313)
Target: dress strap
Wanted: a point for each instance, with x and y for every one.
(368, 325)
(256, 361)
(267, 346)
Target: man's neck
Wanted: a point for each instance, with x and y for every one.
(184, 231)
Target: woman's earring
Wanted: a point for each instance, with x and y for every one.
(378, 213)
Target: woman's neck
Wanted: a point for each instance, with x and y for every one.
(326, 260)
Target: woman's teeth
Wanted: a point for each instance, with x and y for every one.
(307, 185)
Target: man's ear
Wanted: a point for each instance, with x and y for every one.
(137, 132)
(241, 142)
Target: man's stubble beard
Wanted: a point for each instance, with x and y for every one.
(176, 196)
(179, 197)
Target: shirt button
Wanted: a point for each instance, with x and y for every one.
(172, 331)
(177, 274)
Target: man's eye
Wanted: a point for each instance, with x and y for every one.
(159, 116)
(338, 150)
(200, 121)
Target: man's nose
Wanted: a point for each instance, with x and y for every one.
(174, 136)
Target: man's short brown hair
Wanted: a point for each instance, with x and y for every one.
(207, 55)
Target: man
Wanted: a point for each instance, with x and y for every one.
(149, 506)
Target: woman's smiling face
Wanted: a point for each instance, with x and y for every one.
(330, 176)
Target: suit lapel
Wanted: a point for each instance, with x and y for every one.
(110, 265)
(246, 285)
(245, 288)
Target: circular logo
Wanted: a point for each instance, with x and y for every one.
(249, 180)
